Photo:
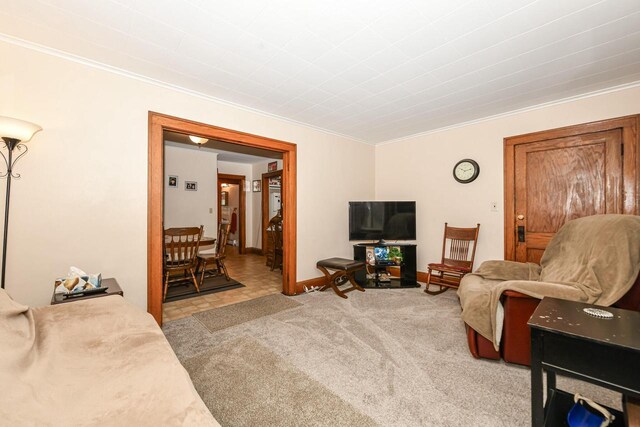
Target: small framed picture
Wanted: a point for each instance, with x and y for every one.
(191, 185)
(272, 166)
(257, 186)
(224, 198)
(173, 181)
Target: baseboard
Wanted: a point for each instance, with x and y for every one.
(309, 283)
(256, 251)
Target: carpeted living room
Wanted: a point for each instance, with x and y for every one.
(382, 357)
(336, 213)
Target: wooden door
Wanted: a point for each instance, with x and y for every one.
(555, 176)
(562, 179)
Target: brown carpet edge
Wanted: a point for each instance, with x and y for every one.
(235, 314)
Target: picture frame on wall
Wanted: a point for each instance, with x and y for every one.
(257, 186)
(191, 186)
(272, 166)
(224, 198)
(172, 182)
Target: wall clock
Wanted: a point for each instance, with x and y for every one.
(466, 171)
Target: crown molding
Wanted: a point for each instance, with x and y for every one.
(150, 80)
(518, 111)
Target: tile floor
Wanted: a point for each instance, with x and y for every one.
(249, 269)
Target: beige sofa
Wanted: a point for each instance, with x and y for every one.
(99, 361)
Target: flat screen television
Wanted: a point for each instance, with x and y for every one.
(382, 221)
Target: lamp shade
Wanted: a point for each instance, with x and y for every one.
(17, 129)
(197, 139)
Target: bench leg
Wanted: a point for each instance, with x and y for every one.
(330, 281)
(354, 283)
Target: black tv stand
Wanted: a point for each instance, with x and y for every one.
(378, 269)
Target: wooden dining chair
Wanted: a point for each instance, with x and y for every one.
(458, 254)
(180, 251)
(216, 258)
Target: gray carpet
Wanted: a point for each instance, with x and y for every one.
(234, 314)
(233, 369)
(399, 357)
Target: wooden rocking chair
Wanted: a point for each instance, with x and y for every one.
(456, 245)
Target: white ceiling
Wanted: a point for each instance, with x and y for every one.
(375, 70)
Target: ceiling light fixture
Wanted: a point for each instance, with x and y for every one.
(198, 140)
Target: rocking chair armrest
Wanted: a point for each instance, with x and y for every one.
(449, 268)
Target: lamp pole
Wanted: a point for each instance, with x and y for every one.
(15, 133)
(11, 143)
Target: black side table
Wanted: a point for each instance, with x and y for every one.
(567, 341)
(112, 284)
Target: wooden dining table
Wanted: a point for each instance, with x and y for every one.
(207, 241)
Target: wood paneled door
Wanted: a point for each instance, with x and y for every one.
(552, 177)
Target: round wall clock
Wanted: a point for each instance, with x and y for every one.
(466, 171)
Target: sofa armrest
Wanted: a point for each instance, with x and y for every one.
(516, 337)
(479, 346)
(515, 294)
(631, 300)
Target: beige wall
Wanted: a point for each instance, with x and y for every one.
(184, 208)
(420, 168)
(82, 199)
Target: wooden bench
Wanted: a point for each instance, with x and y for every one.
(343, 271)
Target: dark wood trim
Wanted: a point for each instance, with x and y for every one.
(264, 200)
(630, 126)
(255, 251)
(158, 123)
(225, 178)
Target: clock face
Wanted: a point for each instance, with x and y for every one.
(466, 171)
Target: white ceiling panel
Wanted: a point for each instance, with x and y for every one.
(373, 70)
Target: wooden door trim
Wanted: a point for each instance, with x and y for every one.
(158, 123)
(264, 201)
(630, 126)
(239, 180)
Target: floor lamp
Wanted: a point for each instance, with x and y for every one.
(15, 133)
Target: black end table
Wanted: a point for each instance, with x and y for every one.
(112, 284)
(567, 341)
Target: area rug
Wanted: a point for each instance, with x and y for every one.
(398, 356)
(234, 314)
(211, 285)
(245, 384)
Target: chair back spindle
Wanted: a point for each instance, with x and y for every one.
(181, 246)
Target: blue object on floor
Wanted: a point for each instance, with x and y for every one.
(581, 414)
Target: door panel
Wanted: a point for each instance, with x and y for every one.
(557, 180)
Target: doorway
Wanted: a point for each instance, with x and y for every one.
(158, 123)
(554, 176)
(232, 207)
